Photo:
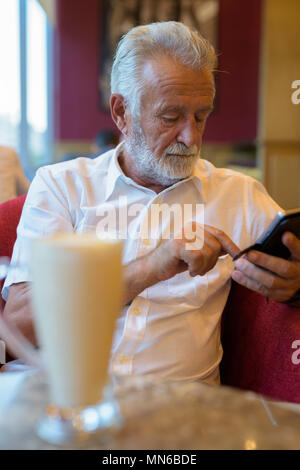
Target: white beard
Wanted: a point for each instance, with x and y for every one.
(166, 170)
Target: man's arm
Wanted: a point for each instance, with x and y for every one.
(173, 257)
(18, 310)
(167, 260)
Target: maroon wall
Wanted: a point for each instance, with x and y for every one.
(77, 51)
(76, 58)
(235, 117)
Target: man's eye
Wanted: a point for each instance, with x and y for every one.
(170, 118)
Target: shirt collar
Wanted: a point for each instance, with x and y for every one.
(115, 172)
(198, 177)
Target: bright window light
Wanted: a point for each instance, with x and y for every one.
(36, 66)
(25, 42)
(9, 73)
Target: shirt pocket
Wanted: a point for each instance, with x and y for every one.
(187, 289)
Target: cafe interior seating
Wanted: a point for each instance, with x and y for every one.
(257, 335)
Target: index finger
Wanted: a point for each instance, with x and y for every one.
(282, 267)
(228, 246)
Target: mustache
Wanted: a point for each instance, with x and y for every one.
(181, 149)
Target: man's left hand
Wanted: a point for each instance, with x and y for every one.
(273, 277)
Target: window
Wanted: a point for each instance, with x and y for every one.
(10, 110)
(25, 82)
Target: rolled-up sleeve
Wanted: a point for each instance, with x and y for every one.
(45, 212)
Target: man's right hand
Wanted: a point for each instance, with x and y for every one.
(173, 256)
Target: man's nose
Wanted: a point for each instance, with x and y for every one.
(190, 133)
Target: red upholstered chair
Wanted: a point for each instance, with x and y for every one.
(10, 212)
(257, 337)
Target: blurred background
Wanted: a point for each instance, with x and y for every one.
(55, 58)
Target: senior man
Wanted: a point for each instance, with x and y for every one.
(162, 93)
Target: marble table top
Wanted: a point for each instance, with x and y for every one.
(164, 415)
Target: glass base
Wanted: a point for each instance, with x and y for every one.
(77, 426)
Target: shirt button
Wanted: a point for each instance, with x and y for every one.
(136, 311)
(123, 359)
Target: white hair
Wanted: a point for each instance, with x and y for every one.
(144, 43)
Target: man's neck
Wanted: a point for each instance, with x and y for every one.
(129, 169)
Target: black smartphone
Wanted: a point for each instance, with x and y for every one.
(270, 241)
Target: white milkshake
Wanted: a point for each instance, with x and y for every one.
(77, 290)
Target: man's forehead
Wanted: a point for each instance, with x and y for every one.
(165, 73)
(168, 83)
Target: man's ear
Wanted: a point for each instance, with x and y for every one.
(119, 113)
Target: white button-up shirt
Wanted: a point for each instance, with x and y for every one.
(171, 329)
